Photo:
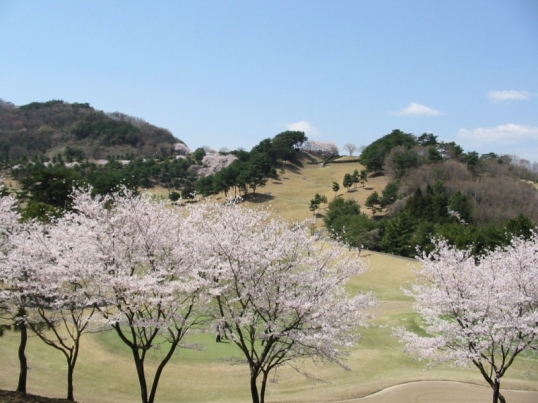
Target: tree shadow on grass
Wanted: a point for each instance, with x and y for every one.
(258, 197)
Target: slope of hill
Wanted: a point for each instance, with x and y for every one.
(298, 182)
(77, 130)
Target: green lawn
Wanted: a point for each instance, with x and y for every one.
(105, 372)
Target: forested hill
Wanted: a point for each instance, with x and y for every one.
(436, 189)
(77, 130)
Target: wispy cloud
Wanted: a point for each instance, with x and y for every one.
(508, 134)
(303, 126)
(509, 95)
(414, 109)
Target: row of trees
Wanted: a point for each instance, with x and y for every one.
(151, 273)
(397, 153)
(252, 169)
(374, 156)
(46, 188)
(355, 178)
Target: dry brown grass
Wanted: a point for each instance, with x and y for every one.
(290, 195)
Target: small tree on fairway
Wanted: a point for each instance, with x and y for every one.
(348, 181)
(482, 312)
(336, 188)
(356, 178)
(314, 205)
(316, 201)
(281, 292)
(363, 176)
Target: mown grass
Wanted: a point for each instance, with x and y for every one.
(106, 372)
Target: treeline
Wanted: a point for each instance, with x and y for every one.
(252, 169)
(397, 153)
(437, 190)
(48, 128)
(46, 186)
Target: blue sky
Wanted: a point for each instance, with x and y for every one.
(231, 73)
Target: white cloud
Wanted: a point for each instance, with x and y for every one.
(509, 95)
(414, 109)
(508, 134)
(303, 126)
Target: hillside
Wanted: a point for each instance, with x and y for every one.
(106, 374)
(298, 182)
(77, 130)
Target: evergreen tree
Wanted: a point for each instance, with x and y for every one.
(356, 177)
(374, 202)
(415, 204)
(336, 188)
(389, 194)
(348, 181)
(460, 204)
(398, 234)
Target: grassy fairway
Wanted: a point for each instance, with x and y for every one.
(106, 372)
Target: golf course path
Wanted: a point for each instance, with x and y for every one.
(441, 392)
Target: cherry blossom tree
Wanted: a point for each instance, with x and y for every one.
(145, 284)
(12, 308)
(321, 147)
(482, 311)
(214, 162)
(56, 263)
(280, 292)
(41, 291)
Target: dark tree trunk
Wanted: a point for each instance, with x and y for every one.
(141, 376)
(71, 363)
(160, 370)
(254, 388)
(497, 397)
(264, 384)
(23, 374)
(70, 388)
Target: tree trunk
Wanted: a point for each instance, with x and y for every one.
(23, 374)
(264, 384)
(70, 388)
(141, 375)
(497, 397)
(71, 363)
(160, 369)
(254, 389)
